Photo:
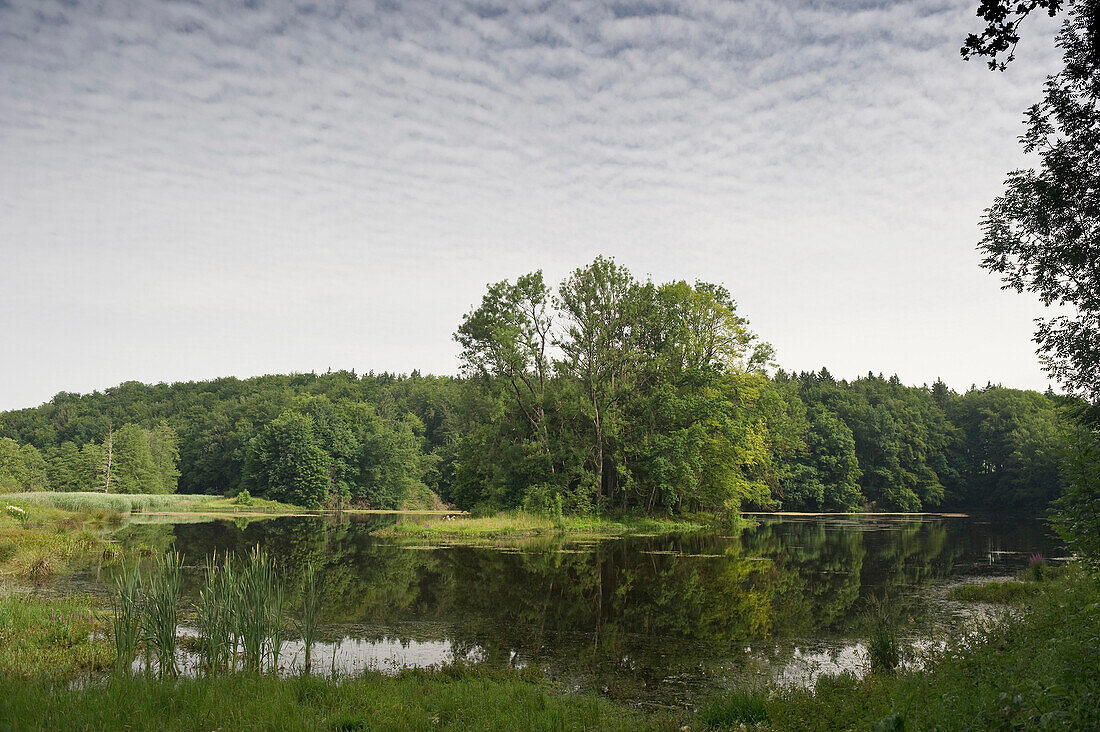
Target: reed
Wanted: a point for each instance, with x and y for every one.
(215, 619)
(160, 617)
(308, 621)
(258, 610)
(127, 610)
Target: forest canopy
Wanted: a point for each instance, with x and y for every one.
(604, 393)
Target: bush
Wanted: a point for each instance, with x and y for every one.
(244, 498)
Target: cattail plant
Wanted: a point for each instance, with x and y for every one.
(215, 618)
(162, 591)
(258, 611)
(126, 606)
(309, 615)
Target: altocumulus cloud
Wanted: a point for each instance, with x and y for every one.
(196, 188)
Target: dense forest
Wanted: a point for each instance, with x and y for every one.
(607, 393)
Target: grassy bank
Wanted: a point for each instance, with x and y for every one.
(519, 524)
(44, 533)
(1032, 669)
(53, 637)
(451, 699)
(39, 541)
(122, 503)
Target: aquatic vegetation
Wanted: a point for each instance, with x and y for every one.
(309, 617)
(159, 617)
(51, 637)
(214, 616)
(523, 523)
(126, 610)
(735, 709)
(257, 609)
(884, 647)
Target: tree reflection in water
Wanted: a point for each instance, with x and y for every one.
(647, 618)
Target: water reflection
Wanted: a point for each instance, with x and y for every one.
(655, 618)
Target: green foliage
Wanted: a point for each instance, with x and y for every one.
(1041, 234)
(657, 402)
(22, 467)
(285, 462)
(244, 498)
(1012, 443)
(1077, 510)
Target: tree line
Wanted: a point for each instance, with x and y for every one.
(605, 393)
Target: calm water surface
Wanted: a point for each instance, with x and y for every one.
(653, 620)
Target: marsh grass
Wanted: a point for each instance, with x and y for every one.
(741, 707)
(525, 524)
(126, 611)
(217, 639)
(308, 622)
(258, 610)
(160, 613)
(113, 505)
(120, 503)
(884, 647)
(52, 637)
(1031, 582)
(1007, 592)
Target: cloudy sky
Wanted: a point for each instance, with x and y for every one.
(196, 189)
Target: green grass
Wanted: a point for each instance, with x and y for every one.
(47, 542)
(1034, 669)
(123, 503)
(1028, 584)
(450, 699)
(47, 638)
(735, 709)
(522, 524)
(1007, 592)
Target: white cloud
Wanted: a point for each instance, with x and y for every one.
(360, 171)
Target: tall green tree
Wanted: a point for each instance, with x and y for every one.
(132, 468)
(508, 339)
(22, 467)
(1043, 233)
(597, 304)
(286, 463)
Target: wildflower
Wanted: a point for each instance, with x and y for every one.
(1036, 558)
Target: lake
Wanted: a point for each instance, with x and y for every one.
(654, 620)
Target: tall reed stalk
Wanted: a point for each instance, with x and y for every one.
(126, 606)
(216, 621)
(258, 609)
(160, 616)
(309, 614)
